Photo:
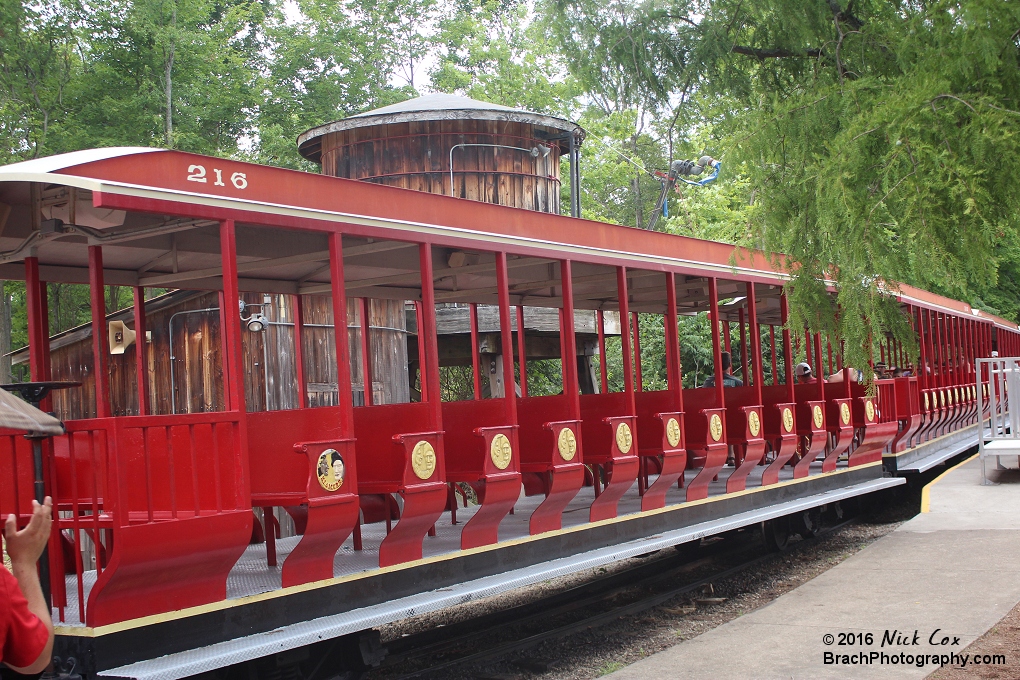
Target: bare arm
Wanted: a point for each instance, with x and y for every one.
(25, 548)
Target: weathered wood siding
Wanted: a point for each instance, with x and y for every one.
(268, 359)
(416, 155)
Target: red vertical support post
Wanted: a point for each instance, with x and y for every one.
(674, 374)
(476, 369)
(784, 311)
(141, 352)
(818, 375)
(428, 303)
(231, 336)
(713, 294)
(807, 347)
(752, 328)
(637, 353)
(419, 322)
(366, 350)
(39, 366)
(522, 352)
(341, 338)
(744, 374)
(299, 351)
(922, 351)
(99, 333)
(603, 374)
(38, 323)
(569, 342)
(625, 336)
(503, 291)
(726, 334)
(775, 356)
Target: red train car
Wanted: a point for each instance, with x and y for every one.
(153, 568)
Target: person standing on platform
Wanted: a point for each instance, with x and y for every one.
(26, 629)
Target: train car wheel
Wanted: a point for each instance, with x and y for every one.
(776, 533)
(807, 523)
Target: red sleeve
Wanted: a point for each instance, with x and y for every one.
(23, 635)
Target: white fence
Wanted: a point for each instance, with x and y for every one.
(998, 393)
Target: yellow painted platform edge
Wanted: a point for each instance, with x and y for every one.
(98, 631)
(926, 493)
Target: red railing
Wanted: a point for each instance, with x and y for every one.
(109, 475)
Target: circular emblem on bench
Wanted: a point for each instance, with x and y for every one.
(331, 470)
(869, 410)
(567, 444)
(753, 423)
(956, 396)
(673, 432)
(925, 401)
(715, 426)
(423, 459)
(624, 438)
(942, 399)
(844, 413)
(500, 451)
(788, 419)
(816, 415)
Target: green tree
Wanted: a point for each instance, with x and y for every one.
(37, 61)
(325, 64)
(878, 140)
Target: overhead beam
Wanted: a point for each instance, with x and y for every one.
(256, 265)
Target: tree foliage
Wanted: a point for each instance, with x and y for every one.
(877, 141)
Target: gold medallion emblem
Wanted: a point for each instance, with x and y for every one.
(925, 401)
(567, 444)
(331, 470)
(423, 459)
(942, 399)
(869, 410)
(956, 396)
(844, 413)
(624, 438)
(500, 451)
(715, 426)
(753, 423)
(788, 419)
(673, 432)
(816, 414)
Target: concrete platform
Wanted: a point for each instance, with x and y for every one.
(951, 569)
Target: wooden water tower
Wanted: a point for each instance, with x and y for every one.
(455, 146)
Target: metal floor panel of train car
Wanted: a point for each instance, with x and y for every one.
(931, 453)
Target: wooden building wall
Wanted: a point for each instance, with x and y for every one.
(268, 358)
(416, 155)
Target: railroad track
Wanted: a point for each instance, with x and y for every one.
(603, 595)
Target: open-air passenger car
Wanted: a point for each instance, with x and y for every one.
(167, 539)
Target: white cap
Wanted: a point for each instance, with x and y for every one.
(802, 369)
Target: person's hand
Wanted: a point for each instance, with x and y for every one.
(27, 545)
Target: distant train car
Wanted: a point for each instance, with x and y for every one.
(208, 416)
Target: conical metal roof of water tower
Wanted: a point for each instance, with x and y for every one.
(439, 107)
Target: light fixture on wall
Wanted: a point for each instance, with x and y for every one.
(256, 321)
